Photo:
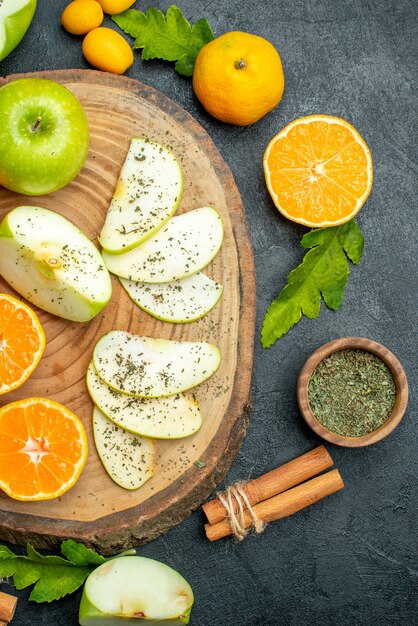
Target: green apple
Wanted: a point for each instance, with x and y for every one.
(179, 301)
(172, 417)
(44, 136)
(147, 194)
(53, 264)
(153, 368)
(127, 458)
(15, 18)
(183, 246)
(135, 590)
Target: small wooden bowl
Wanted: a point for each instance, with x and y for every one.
(347, 343)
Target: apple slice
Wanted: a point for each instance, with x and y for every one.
(148, 192)
(15, 18)
(53, 264)
(172, 417)
(179, 301)
(135, 590)
(153, 368)
(127, 458)
(184, 246)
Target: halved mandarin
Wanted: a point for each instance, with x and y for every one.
(43, 448)
(318, 171)
(22, 342)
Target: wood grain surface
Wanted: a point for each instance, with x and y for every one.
(96, 510)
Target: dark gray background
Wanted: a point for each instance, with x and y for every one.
(351, 559)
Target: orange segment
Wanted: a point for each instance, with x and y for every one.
(22, 342)
(43, 448)
(318, 171)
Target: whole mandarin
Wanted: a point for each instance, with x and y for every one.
(107, 50)
(81, 16)
(115, 6)
(238, 77)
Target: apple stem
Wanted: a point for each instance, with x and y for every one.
(35, 126)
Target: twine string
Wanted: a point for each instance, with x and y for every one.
(236, 503)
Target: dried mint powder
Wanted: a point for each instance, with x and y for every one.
(352, 392)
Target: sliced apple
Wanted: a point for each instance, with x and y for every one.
(135, 590)
(179, 301)
(172, 417)
(15, 18)
(184, 246)
(147, 194)
(127, 458)
(53, 264)
(153, 368)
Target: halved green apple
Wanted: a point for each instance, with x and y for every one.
(15, 18)
(179, 301)
(135, 590)
(127, 458)
(147, 194)
(53, 264)
(172, 417)
(184, 246)
(153, 368)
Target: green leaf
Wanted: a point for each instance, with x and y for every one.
(168, 37)
(53, 576)
(352, 241)
(323, 272)
(132, 22)
(78, 554)
(5, 553)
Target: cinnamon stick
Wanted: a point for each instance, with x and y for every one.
(7, 607)
(276, 481)
(284, 504)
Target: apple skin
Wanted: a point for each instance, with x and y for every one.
(76, 288)
(145, 295)
(90, 616)
(169, 418)
(44, 136)
(163, 367)
(147, 194)
(135, 590)
(127, 451)
(15, 27)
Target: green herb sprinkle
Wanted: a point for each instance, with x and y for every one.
(352, 392)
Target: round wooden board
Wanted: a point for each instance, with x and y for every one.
(97, 511)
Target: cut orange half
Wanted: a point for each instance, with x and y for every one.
(22, 342)
(43, 448)
(318, 171)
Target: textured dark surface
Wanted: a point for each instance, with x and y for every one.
(352, 559)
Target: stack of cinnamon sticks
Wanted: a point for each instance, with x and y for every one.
(7, 608)
(279, 493)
